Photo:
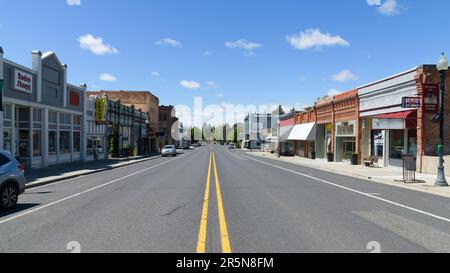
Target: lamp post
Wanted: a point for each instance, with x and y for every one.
(442, 67)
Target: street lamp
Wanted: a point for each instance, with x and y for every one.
(442, 67)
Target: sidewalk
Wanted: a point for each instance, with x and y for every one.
(389, 175)
(52, 174)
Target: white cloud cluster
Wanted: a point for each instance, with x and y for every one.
(333, 92)
(96, 45)
(343, 76)
(169, 42)
(106, 77)
(73, 2)
(244, 44)
(389, 7)
(314, 38)
(155, 74)
(190, 84)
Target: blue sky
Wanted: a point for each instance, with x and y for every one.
(281, 51)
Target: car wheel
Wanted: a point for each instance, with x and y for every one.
(8, 196)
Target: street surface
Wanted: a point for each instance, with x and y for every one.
(217, 200)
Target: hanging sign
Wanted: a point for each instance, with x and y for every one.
(430, 98)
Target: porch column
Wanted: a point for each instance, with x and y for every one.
(386, 148)
(13, 129)
(57, 136)
(30, 137)
(71, 138)
(1, 113)
(44, 138)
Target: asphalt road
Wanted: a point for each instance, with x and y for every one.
(218, 200)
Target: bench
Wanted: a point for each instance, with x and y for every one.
(371, 161)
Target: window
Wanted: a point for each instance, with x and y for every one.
(397, 143)
(76, 141)
(52, 117)
(37, 115)
(64, 119)
(52, 142)
(4, 160)
(64, 142)
(37, 141)
(7, 139)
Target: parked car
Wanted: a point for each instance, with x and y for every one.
(232, 146)
(169, 150)
(12, 180)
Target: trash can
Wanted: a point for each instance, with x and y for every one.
(313, 155)
(330, 157)
(354, 159)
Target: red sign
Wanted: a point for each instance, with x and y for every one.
(151, 131)
(430, 98)
(410, 102)
(74, 98)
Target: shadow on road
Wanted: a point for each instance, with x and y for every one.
(18, 208)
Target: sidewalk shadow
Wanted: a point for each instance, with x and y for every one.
(18, 208)
(61, 169)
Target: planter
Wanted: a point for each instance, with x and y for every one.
(330, 157)
(313, 155)
(354, 159)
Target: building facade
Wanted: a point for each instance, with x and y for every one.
(325, 129)
(141, 100)
(304, 134)
(42, 122)
(165, 123)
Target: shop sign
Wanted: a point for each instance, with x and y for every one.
(430, 98)
(329, 128)
(388, 124)
(345, 129)
(74, 98)
(410, 102)
(100, 113)
(23, 81)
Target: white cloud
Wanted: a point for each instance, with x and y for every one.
(96, 45)
(343, 76)
(168, 42)
(106, 77)
(313, 38)
(190, 84)
(74, 2)
(389, 7)
(207, 53)
(374, 2)
(219, 95)
(212, 84)
(155, 74)
(333, 92)
(243, 43)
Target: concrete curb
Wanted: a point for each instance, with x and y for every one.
(370, 179)
(43, 183)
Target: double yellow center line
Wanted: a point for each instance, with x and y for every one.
(201, 244)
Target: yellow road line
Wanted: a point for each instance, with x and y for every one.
(204, 220)
(226, 248)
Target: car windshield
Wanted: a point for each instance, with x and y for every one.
(169, 147)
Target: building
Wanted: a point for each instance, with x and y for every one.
(325, 128)
(141, 100)
(258, 130)
(346, 124)
(42, 122)
(165, 123)
(391, 130)
(96, 132)
(286, 124)
(304, 134)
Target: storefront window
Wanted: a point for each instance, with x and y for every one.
(89, 146)
(76, 141)
(377, 143)
(397, 143)
(52, 142)
(348, 147)
(37, 140)
(412, 142)
(64, 142)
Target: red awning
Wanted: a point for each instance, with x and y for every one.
(399, 115)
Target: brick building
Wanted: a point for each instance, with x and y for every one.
(304, 133)
(325, 128)
(166, 121)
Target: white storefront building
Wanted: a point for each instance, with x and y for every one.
(42, 123)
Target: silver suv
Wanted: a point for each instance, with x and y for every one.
(12, 180)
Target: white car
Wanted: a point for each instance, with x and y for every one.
(169, 150)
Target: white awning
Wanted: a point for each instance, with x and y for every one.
(284, 132)
(305, 131)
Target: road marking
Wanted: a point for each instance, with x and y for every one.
(226, 248)
(84, 192)
(355, 191)
(201, 243)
